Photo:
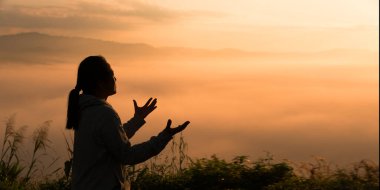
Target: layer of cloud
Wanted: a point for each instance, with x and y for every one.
(292, 105)
(91, 16)
(57, 18)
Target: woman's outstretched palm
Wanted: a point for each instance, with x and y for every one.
(145, 110)
(173, 131)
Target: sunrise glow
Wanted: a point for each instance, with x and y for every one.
(296, 78)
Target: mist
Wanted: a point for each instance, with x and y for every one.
(293, 105)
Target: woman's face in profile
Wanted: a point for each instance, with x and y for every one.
(109, 84)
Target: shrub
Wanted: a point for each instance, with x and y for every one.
(177, 171)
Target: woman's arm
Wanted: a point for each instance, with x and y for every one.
(141, 152)
(132, 126)
(117, 143)
(113, 136)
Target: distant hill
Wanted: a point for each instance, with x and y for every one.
(43, 48)
(38, 48)
(17, 47)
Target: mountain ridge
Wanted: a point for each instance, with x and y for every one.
(35, 47)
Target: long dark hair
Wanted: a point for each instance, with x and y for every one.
(90, 71)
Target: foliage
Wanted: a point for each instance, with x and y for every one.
(240, 173)
(215, 173)
(16, 173)
(175, 170)
(10, 167)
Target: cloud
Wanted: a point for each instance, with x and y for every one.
(58, 18)
(132, 9)
(294, 107)
(91, 16)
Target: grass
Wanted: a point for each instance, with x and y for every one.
(174, 169)
(16, 173)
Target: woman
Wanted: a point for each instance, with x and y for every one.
(101, 145)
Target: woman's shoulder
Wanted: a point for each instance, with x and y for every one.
(97, 109)
(89, 102)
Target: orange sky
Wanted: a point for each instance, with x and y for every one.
(292, 25)
(289, 106)
(295, 105)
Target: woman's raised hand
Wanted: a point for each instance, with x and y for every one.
(145, 110)
(173, 131)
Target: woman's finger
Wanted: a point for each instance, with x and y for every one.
(168, 124)
(147, 103)
(152, 105)
(181, 127)
(135, 103)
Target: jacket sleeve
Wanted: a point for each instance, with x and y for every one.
(120, 148)
(132, 126)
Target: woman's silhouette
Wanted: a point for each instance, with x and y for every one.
(101, 145)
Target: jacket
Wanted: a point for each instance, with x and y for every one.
(101, 146)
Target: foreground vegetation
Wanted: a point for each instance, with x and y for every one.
(175, 170)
